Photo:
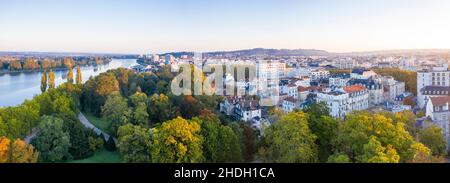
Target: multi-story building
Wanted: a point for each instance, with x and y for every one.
(339, 80)
(344, 63)
(438, 109)
(362, 74)
(319, 74)
(436, 76)
(343, 101)
(376, 90)
(247, 110)
(428, 92)
(392, 88)
(289, 104)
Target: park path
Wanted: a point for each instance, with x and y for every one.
(31, 136)
(89, 125)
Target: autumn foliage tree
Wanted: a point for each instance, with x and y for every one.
(177, 141)
(51, 79)
(289, 141)
(17, 151)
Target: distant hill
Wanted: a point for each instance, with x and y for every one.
(272, 52)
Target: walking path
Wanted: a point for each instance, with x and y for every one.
(31, 136)
(89, 125)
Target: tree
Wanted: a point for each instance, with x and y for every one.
(433, 138)
(44, 81)
(51, 79)
(324, 127)
(356, 135)
(30, 64)
(52, 141)
(189, 107)
(17, 152)
(134, 144)
(110, 145)
(161, 109)
(15, 65)
(116, 111)
(221, 144)
(289, 141)
(79, 78)
(139, 104)
(338, 158)
(70, 76)
(177, 141)
(374, 152)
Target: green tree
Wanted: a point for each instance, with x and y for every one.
(134, 144)
(52, 141)
(221, 143)
(51, 79)
(161, 109)
(44, 81)
(289, 141)
(116, 111)
(338, 158)
(79, 77)
(324, 127)
(177, 141)
(433, 138)
(360, 127)
(374, 152)
(110, 145)
(139, 103)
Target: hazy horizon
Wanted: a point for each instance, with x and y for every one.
(157, 26)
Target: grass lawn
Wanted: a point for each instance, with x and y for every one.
(102, 156)
(98, 122)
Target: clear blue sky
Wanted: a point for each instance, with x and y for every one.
(150, 26)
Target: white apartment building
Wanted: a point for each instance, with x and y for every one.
(318, 74)
(289, 104)
(344, 63)
(342, 102)
(432, 91)
(392, 88)
(437, 76)
(438, 109)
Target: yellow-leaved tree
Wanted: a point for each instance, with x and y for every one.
(17, 151)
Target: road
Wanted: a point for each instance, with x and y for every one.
(89, 125)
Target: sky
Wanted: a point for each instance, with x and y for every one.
(156, 26)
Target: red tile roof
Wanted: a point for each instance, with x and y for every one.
(354, 88)
(440, 101)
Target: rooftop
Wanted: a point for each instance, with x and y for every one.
(354, 88)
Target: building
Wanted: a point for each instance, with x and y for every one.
(376, 90)
(339, 80)
(345, 100)
(319, 74)
(438, 109)
(247, 110)
(392, 88)
(241, 108)
(289, 104)
(344, 63)
(437, 76)
(362, 74)
(432, 91)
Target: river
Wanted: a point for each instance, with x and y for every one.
(15, 88)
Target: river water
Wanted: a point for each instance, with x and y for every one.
(16, 87)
